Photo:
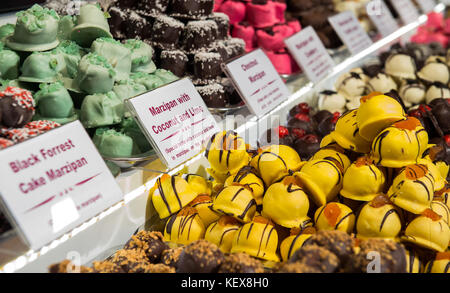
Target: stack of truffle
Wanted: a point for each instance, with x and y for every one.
(417, 73)
(376, 184)
(189, 40)
(264, 24)
(79, 71)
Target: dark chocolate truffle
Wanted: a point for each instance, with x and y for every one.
(307, 146)
(66, 266)
(200, 256)
(175, 61)
(207, 65)
(191, 9)
(241, 263)
(171, 256)
(131, 260)
(199, 34)
(152, 7)
(166, 32)
(316, 258)
(392, 257)
(338, 242)
(223, 24)
(213, 95)
(441, 111)
(137, 27)
(16, 107)
(150, 242)
(117, 22)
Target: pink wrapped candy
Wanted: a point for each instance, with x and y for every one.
(283, 29)
(262, 14)
(246, 32)
(435, 21)
(282, 62)
(295, 25)
(234, 9)
(217, 4)
(280, 8)
(270, 41)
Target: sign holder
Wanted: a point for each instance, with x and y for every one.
(159, 113)
(257, 82)
(53, 183)
(310, 54)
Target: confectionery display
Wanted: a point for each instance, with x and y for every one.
(314, 216)
(187, 38)
(263, 24)
(359, 163)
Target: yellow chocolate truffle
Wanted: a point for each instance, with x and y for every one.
(248, 176)
(412, 189)
(428, 231)
(184, 227)
(439, 181)
(170, 194)
(363, 181)
(333, 151)
(401, 144)
(275, 161)
(327, 140)
(441, 209)
(294, 242)
(322, 179)
(439, 265)
(443, 195)
(378, 219)
(334, 216)
(222, 232)
(413, 263)
(236, 201)
(376, 112)
(346, 133)
(226, 153)
(286, 204)
(258, 239)
(202, 204)
(198, 184)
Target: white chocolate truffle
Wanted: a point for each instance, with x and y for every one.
(331, 101)
(361, 73)
(350, 84)
(436, 91)
(412, 92)
(353, 103)
(435, 58)
(435, 72)
(401, 66)
(381, 83)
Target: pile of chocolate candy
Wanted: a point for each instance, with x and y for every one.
(189, 40)
(375, 184)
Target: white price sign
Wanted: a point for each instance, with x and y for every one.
(350, 31)
(175, 120)
(257, 81)
(426, 5)
(406, 9)
(54, 182)
(310, 54)
(381, 17)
